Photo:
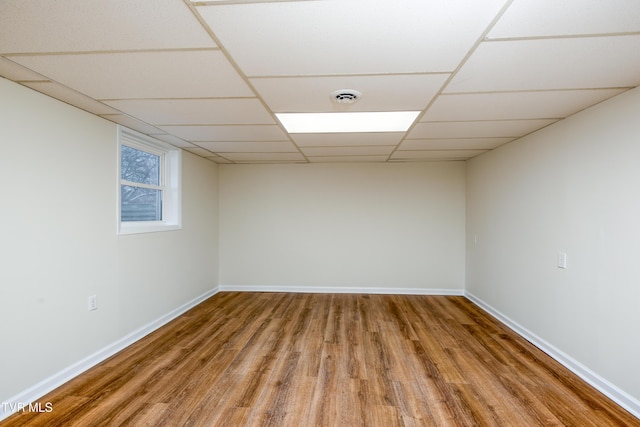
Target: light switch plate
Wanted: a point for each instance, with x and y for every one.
(562, 260)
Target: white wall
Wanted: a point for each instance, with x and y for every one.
(572, 187)
(58, 242)
(343, 226)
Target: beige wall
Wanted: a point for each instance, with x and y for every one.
(343, 226)
(58, 241)
(572, 187)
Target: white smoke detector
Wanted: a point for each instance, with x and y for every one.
(345, 96)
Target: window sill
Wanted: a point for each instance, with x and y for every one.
(146, 228)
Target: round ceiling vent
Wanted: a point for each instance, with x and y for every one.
(345, 96)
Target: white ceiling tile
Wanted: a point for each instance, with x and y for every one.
(346, 139)
(131, 122)
(347, 159)
(573, 63)
(339, 37)
(379, 93)
(347, 151)
(488, 129)
(453, 144)
(199, 151)
(195, 111)
(227, 133)
(514, 105)
(526, 18)
(172, 74)
(72, 97)
(81, 25)
(265, 157)
(249, 146)
(17, 72)
(436, 155)
(218, 159)
(173, 140)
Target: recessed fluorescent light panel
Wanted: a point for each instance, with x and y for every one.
(394, 121)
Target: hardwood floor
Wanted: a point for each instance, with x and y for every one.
(276, 359)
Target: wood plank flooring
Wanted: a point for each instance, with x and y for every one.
(278, 359)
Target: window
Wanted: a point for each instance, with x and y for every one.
(148, 184)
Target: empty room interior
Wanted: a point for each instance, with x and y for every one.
(347, 184)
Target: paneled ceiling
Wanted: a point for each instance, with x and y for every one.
(209, 76)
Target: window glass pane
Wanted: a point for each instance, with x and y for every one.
(140, 204)
(139, 166)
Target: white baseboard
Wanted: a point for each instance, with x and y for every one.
(32, 394)
(619, 396)
(340, 290)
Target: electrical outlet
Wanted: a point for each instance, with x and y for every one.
(93, 303)
(562, 260)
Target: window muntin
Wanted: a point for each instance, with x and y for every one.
(148, 185)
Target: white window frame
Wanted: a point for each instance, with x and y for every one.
(170, 183)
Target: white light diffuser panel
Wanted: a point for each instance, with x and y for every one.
(395, 121)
